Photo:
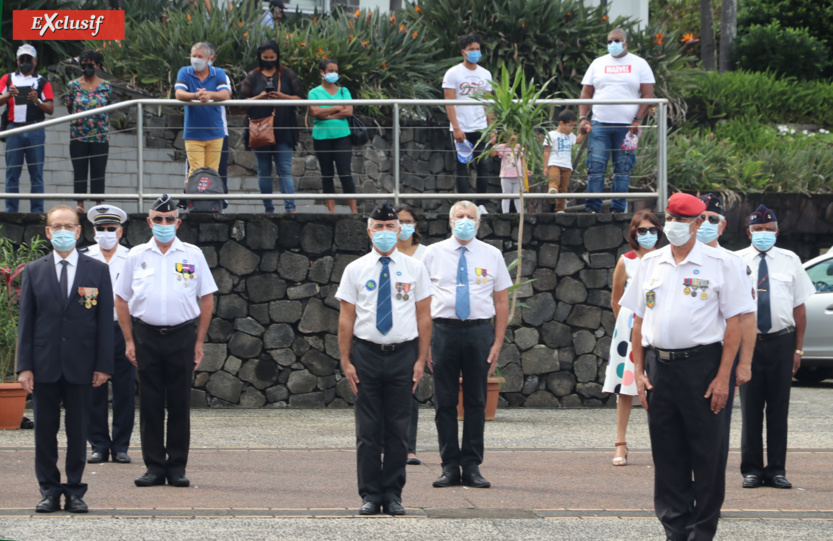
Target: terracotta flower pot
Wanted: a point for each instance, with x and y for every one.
(12, 405)
(493, 385)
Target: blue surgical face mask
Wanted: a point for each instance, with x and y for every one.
(615, 48)
(63, 241)
(164, 233)
(707, 232)
(384, 241)
(406, 232)
(464, 229)
(648, 240)
(474, 56)
(331, 77)
(762, 240)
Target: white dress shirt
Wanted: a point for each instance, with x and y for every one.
(72, 259)
(743, 268)
(441, 260)
(360, 286)
(789, 284)
(116, 264)
(155, 285)
(676, 319)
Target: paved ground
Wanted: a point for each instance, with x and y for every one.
(281, 474)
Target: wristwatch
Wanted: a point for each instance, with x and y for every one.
(582, 118)
(800, 351)
(637, 118)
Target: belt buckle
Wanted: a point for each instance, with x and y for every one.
(664, 355)
(387, 347)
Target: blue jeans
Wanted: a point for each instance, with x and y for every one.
(28, 146)
(282, 156)
(606, 139)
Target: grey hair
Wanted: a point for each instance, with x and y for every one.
(369, 221)
(619, 31)
(151, 211)
(466, 205)
(206, 47)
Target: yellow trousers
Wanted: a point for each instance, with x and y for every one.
(203, 154)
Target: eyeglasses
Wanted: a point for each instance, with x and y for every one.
(646, 230)
(407, 222)
(108, 228)
(713, 219)
(164, 219)
(62, 227)
(615, 40)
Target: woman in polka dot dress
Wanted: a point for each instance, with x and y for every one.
(644, 236)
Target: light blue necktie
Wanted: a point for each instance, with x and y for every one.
(384, 307)
(463, 308)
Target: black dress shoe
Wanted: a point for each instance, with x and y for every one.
(178, 480)
(49, 504)
(369, 508)
(75, 504)
(149, 480)
(475, 480)
(97, 458)
(449, 478)
(121, 457)
(394, 508)
(778, 481)
(752, 481)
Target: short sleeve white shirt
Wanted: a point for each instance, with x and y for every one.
(116, 264)
(789, 284)
(409, 284)
(487, 274)
(617, 79)
(165, 289)
(468, 84)
(561, 147)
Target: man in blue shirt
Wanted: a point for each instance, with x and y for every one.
(203, 125)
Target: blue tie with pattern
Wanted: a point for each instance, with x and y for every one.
(764, 312)
(462, 307)
(384, 307)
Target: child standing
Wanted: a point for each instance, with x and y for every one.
(511, 170)
(558, 157)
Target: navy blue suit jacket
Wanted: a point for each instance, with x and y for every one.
(56, 340)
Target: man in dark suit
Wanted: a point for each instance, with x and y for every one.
(65, 348)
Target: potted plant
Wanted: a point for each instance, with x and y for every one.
(12, 263)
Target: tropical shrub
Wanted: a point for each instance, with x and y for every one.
(788, 52)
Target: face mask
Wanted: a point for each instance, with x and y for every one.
(106, 239)
(89, 72)
(677, 232)
(406, 232)
(762, 240)
(198, 64)
(63, 241)
(474, 56)
(464, 229)
(210, 62)
(164, 233)
(648, 240)
(384, 241)
(707, 232)
(26, 67)
(615, 49)
(331, 77)
(268, 64)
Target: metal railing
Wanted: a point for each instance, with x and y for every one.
(660, 196)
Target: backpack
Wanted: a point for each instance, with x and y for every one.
(205, 180)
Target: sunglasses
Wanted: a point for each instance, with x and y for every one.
(108, 228)
(616, 40)
(164, 219)
(646, 230)
(714, 219)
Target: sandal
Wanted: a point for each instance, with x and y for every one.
(621, 460)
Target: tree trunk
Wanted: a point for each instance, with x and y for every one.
(707, 35)
(728, 32)
(522, 214)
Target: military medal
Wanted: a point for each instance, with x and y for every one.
(704, 285)
(686, 284)
(90, 294)
(478, 272)
(399, 291)
(406, 287)
(484, 272)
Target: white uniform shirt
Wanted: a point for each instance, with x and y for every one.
(789, 284)
(617, 79)
(360, 286)
(155, 285)
(676, 319)
(743, 268)
(72, 258)
(116, 264)
(420, 252)
(467, 84)
(484, 264)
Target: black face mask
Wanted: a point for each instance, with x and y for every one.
(89, 71)
(268, 64)
(26, 67)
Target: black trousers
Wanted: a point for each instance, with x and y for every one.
(455, 351)
(383, 414)
(412, 429)
(730, 404)
(462, 169)
(88, 160)
(223, 170)
(687, 444)
(124, 405)
(166, 368)
(769, 388)
(47, 399)
(340, 152)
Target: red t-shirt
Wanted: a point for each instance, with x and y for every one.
(24, 111)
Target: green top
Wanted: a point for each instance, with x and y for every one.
(334, 128)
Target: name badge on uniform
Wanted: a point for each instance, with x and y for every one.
(402, 289)
(90, 296)
(482, 274)
(651, 299)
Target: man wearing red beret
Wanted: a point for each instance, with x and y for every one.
(687, 299)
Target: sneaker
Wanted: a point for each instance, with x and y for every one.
(553, 191)
(482, 209)
(561, 212)
(589, 211)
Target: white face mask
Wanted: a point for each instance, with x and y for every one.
(106, 239)
(678, 233)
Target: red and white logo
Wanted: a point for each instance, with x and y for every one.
(616, 70)
(203, 184)
(69, 24)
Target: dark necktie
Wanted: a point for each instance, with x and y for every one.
(764, 313)
(384, 307)
(63, 282)
(462, 306)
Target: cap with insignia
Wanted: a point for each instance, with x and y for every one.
(383, 212)
(683, 205)
(762, 215)
(106, 214)
(164, 204)
(713, 203)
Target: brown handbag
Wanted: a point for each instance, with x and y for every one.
(262, 130)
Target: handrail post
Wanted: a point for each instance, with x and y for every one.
(662, 156)
(395, 154)
(140, 154)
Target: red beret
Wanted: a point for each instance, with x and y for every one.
(683, 205)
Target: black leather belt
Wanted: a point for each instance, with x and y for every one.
(165, 330)
(460, 323)
(680, 354)
(387, 348)
(19, 124)
(763, 337)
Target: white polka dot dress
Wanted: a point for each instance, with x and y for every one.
(619, 378)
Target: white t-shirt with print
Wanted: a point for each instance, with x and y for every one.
(467, 84)
(617, 79)
(561, 146)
